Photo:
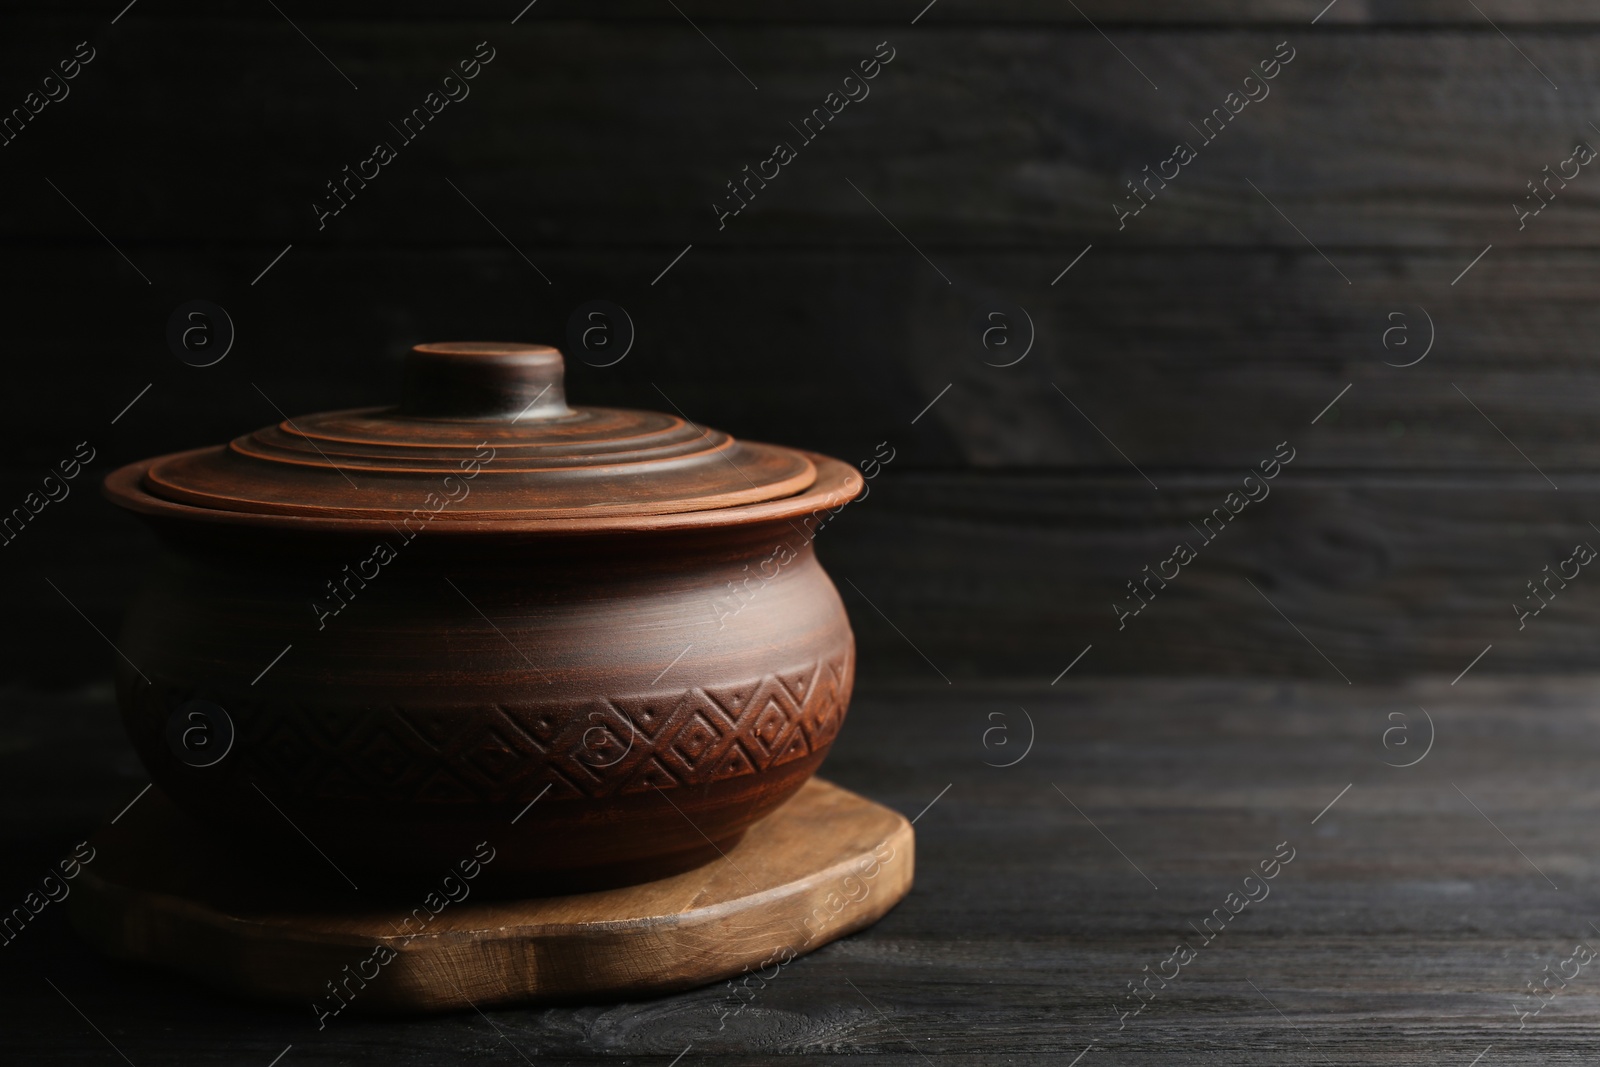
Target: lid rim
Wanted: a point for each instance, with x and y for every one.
(835, 484)
(506, 402)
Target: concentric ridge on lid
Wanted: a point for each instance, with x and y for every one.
(485, 428)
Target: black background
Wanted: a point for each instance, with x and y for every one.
(1248, 297)
(1196, 339)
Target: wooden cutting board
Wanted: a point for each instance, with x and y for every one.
(826, 864)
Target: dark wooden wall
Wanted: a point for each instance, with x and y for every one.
(1221, 321)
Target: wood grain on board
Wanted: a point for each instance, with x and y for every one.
(825, 865)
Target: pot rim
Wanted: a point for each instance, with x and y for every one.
(836, 484)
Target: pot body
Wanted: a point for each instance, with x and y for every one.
(600, 709)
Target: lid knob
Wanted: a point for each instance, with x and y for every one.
(483, 380)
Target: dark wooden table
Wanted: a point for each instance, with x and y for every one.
(1405, 929)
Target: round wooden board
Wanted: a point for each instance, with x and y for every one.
(825, 864)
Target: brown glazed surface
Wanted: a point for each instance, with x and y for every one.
(650, 681)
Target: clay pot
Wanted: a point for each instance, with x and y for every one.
(597, 639)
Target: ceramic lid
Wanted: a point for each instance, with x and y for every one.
(482, 433)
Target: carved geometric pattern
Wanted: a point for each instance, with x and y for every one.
(503, 753)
